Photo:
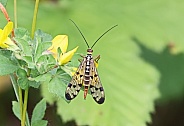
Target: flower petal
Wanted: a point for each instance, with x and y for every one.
(63, 42)
(66, 57)
(59, 41)
(6, 31)
(1, 31)
(3, 43)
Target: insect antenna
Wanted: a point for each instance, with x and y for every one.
(103, 35)
(80, 32)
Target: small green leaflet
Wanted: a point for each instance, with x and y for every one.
(6, 66)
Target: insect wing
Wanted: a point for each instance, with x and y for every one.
(96, 88)
(76, 83)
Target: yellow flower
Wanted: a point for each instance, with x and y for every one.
(61, 41)
(5, 41)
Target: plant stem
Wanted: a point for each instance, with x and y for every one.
(3, 9)
(20, 102)
(25, 106)
(15, 13)
(27, 90)
(19, 89)
(16, 90)
(34, 18)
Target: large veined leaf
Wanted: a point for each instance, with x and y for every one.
(130, 78)
(131, 85)
(126, 102)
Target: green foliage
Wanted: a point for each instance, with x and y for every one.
(40, 123)
(16, 109)
(58, 83)
(154, 23)
(44, 77)
(36, 66)
(28, 63)
(7, 66)
(130, 83)
(31, 50)
(38, 114)
(31, 53)
(131, 70)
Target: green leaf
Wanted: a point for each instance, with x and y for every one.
(29, 61)
(49, 97)
(56, 86)
(23, 83)
(21, 73)
(43, 36)
(6, 66)
(4, 2)
(121, 101)
(38, 113)
(40, 123)
(154, 23)
(34, 73)
(40, 49)
(130, 83)
(24, 45)
(34, 84)
(42, 41)
(128, 79)
(16, 109)
(45, 63)
(58, 83)
(22, 33)
(6, 53)
(43, 78)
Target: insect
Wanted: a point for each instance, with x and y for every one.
(87, 75)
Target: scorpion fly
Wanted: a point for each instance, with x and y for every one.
(87, 75)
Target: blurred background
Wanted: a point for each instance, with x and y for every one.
(141, 65)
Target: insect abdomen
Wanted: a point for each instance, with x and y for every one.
(87, 75)
(87, 70)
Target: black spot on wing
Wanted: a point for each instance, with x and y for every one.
(101, 89)
(101, 100)
(72, 90)
(97, 94)
(67, 96)
(70, 85)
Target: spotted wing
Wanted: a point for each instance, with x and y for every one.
(96, 88)
(76, 83)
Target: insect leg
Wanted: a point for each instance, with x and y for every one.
(96, 58)
(80, 60)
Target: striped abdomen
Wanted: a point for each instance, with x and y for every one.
(87, 76)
